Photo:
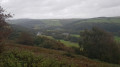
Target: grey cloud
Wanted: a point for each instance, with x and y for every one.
(62, 8)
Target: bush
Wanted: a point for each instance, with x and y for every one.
(69, 55)
(1, 48)
(19, 58)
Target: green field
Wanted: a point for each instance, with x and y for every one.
(75, 35)
(117, 38)
(69, 44)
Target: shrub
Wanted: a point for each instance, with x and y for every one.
(20, 58)
(69, 54)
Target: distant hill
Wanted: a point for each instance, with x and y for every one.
(111, 24)
(41, 23)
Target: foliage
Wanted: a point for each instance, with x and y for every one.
(25, 38)
(50, 43)
(5, 29)
(99, 44)
(20, 58)
(69, 54)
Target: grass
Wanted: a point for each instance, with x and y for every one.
(69, 44)
(117, 38)
(75, 35)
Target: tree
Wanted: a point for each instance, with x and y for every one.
(25, 38)
(5, 29)
(99, 44)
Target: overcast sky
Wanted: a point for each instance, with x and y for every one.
(43, 9)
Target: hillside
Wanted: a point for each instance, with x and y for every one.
(41, 23)
(78, 60)
(111, 24)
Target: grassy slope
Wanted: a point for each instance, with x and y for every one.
(75, 35)
(69, 44)
(117, 38)
(79, 60)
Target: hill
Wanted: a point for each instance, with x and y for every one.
(41, 23)
(111, 24)
(76, 60)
